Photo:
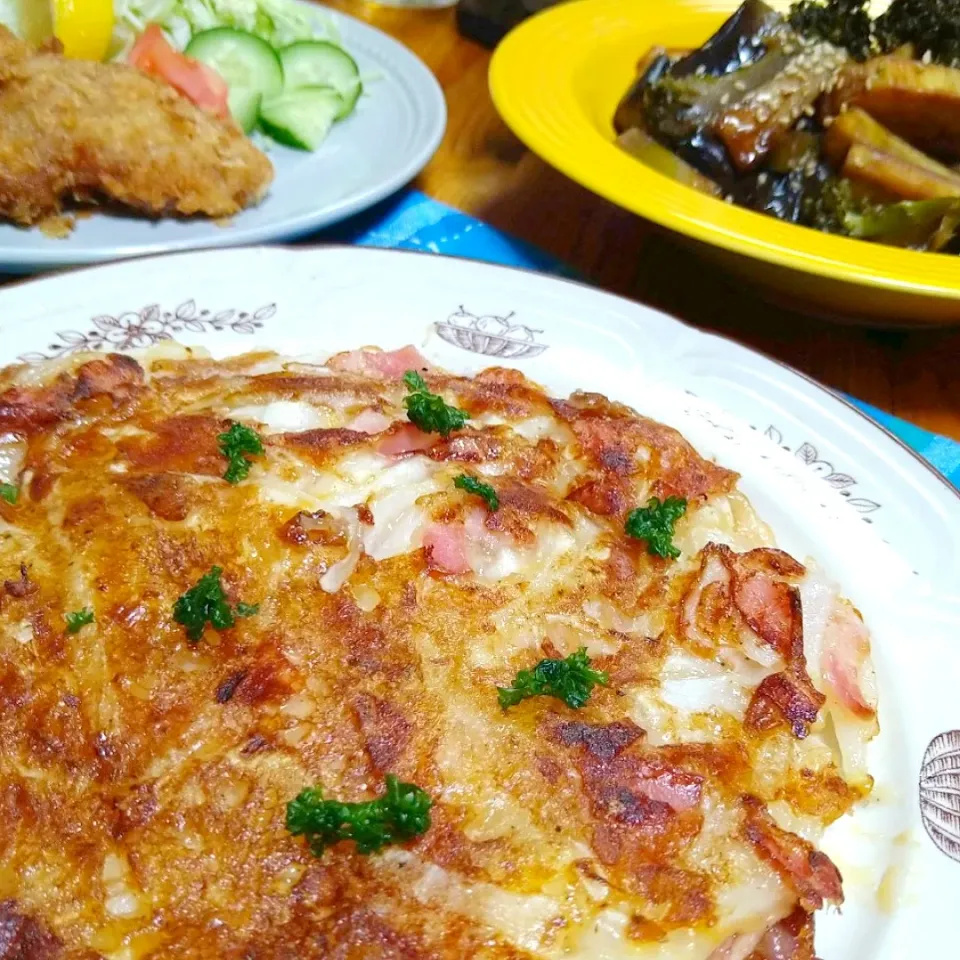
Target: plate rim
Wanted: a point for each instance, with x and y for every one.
(430, 93)
(540, 286)
(319, 250)
(647, 193)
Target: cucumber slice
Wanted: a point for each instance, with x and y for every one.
(250, 66)
(301, 118)
(317, 63)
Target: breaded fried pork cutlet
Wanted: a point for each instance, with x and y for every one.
(73, 131)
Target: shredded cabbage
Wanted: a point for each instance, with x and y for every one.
(10, 14)
(27, 19)
(279, 22)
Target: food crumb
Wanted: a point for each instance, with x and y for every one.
(57, 227)
(888, 891)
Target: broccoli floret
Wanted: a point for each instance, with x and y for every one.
(844, 23)
(918, 224)
(932, 26)
(829, 209)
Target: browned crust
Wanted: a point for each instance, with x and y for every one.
(808, 871)
(148, 744)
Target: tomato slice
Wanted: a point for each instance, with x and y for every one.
(153, 54)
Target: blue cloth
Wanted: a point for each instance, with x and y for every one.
(413, 221)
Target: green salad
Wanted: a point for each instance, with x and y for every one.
(285, 76)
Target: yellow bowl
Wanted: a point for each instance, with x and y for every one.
(556, 81)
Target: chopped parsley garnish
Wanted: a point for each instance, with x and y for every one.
(570, 680)
(402, 813)
(9, 493)
(235, 444)
(427, 410)
(77, 620)
(207, 603)
(655, 523)
(481, 489)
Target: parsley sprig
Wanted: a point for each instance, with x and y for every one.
(481, 489)
(571, 680)
(204, 603)
(655, 523)
(427, 410)
(77, 620)
(235, 445)
(9, 493)
(402, 813)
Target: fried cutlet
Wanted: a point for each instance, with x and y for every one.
(72, 131)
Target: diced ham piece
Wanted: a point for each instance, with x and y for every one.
(445, 545)
(389, 364)
(790, 697)
(676, 788)
(788, 939)
(737, 947)
(844, 661)
(749, 587)
(771, 609)
(456, 547)
(370, 421)
(780, 944)
(712, 570)
(405, 438)
(809, 872)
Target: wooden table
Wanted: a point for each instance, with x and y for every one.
(482, 169)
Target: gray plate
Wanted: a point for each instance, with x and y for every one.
(390, 137)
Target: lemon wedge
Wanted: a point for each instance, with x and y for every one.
(84, 27)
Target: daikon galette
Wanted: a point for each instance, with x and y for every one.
(367, 659)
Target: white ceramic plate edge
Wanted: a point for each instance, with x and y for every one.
(467, 315)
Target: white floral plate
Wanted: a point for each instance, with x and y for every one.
(395, 130)
(831, 483)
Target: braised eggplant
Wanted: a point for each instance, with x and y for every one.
(742, 40)
(651, 68)
(789, 125)
(641, 145)
(751, 125)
